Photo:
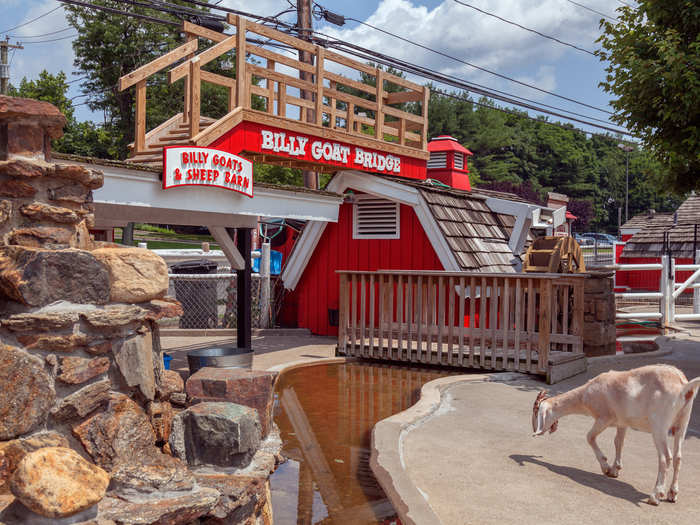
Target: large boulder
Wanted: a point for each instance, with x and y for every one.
(118, 434)
(251, 388)
(37, 277)
(136, 275)
(216, 433)
(26, 392)
(13, 451)
(56, 482)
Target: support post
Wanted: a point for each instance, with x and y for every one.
(265, 285)
(666, 291)
(243, 283)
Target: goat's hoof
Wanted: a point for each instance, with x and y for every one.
(653, 500)
(611, 472)
(672, 496)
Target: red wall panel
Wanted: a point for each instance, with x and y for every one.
(317, 290)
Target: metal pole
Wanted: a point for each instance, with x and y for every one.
(265, 285)
(627, 186)
(304, 23)
(4, 66)
(243, 284)
(696, 291)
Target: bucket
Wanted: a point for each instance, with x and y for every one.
(166, 361)
(223, 356)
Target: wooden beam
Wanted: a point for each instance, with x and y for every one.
(219, 80)
(270, 89)
(205, 57)
(274, 34)
(319, 86)
(379, 125)
(242, 98)
(403, 96)
(156, 65)
(195, 87)
(194, 29)
(140, 133)
(281, 59)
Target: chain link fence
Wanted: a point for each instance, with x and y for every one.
(210, 300)
(598, 254)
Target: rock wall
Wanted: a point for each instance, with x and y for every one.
(87, 411)
(599, 314)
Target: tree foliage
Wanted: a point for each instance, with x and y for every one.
(654, 70)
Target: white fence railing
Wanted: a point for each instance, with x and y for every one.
(669, 291)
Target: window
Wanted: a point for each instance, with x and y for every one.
(375, 218)
(459, 161)
(437, 160)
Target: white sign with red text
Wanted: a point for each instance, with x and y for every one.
(196, 166)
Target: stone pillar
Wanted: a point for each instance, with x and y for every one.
(599, 314)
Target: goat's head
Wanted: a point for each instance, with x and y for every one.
(542, 417)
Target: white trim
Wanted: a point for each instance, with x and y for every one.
(387, 203)
(379, 187)
(224, 240)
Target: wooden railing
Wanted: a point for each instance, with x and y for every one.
(320, 95)
(476, 320)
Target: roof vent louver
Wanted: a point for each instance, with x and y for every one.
(375, 218)
(438, 160)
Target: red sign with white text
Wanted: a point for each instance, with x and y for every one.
(268, 140)
(197, 166)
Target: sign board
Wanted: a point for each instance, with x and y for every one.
(285, 144)
(197, 166)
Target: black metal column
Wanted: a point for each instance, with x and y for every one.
(243, 281)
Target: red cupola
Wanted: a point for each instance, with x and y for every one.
(448, 162)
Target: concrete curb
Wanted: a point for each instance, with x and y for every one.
(387, 460)
(230, 332)
(661, 340)
(301, 363)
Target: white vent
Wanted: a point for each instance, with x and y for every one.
(375, 218)
(437, 160)
(459, 161)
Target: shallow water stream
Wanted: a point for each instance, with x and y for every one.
(326, 414)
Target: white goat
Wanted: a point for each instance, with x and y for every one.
(657, 399)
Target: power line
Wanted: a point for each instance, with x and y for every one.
(525, 28)
(592, 10)
(32, 20)
(40, 36)
(51, 40)
(505, 77)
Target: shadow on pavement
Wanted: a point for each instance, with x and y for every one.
(610, 486)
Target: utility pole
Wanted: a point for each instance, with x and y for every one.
(4, 65)
(304, 23)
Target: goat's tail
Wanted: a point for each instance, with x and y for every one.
(686, 395)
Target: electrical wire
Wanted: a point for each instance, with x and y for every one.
(51, 40)
(40, 36)
(505, 77)
(32, 20)
(525, 28)
(593, 10)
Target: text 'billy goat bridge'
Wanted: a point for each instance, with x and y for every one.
(318, 119)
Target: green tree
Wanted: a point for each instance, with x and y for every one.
(654, 66)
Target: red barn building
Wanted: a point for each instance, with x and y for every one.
(391, 223)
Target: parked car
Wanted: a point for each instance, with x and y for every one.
(600, 238)
(583, 240)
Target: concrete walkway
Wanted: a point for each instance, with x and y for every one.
(475, 462)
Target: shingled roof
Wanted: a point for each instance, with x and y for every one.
(649, 241)
(640, 220)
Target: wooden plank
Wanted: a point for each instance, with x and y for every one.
(399, 315)
(281, 77)
(493, 320)
(403, 96)
(505, 320)
(577, 316)
(242, 97)
(472, 319)
(450, 317)
(482, 321)
(402, 132)
(281, 99)
(426, 103)
(343, 314)
(353, 316)
(140, 132)
(388, 110)
(518, 322)
(218, 128)
(205, 57)
(195, 101)
(345, 81)
(410, 313)
(389, 314)
(275, 35)
(531, 298)
(462, 298)
(319, 86)
(371, 313)
(350, 119)
(545, 322)
(419, 317)
(270, 90)
(197, 30)
(565, 292)
(429, 300)
(281, 59)
(219, 80)
(156, 65)
(363, 302)
(379, 126)
(440, 321)
(345, 97)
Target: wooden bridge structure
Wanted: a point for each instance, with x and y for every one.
(530, 323)
(317, 101)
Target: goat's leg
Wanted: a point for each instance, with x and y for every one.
(619, 441)
(680, 430)
(598, 426)
(661, 442)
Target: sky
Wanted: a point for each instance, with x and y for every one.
(443, 25)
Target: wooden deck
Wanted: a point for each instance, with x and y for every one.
(530, 323)
(317, 101)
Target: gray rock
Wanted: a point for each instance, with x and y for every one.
(81, 403)
(216, 433)
(26, 392)
(134, 359)
(152, 472)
